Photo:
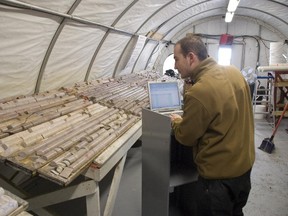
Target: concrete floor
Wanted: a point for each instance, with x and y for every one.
(269, 194)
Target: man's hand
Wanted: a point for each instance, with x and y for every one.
(175, 116)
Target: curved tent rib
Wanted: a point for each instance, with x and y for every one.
(159, 27)
(15, 3)
(166, 33)
(132, 20)
(50, 47)
(168, 3)
(103, 39)
(188, 8)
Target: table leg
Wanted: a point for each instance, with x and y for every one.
(114, 187)
(93, 202)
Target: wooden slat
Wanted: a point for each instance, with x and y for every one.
(281, 84)
(278, 113)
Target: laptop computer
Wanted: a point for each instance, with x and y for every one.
(164, 97)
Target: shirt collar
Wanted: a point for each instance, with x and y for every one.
(202, 68)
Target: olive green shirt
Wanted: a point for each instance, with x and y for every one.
(218, 121)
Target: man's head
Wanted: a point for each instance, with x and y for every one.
(188, 53)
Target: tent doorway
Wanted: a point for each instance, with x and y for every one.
(169, 64)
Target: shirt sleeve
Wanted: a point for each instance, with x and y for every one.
(195, 121)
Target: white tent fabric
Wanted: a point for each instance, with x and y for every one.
(48, 44)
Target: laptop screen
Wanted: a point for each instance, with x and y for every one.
(164, 96)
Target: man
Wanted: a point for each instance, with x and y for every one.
(218, 123)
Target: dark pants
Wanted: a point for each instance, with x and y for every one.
(222, 197)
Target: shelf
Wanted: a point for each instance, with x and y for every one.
(273, 68)
(278, 113)
(280, 91)
(281, 84)
(263, 97)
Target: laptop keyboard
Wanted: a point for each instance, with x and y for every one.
(168, 113)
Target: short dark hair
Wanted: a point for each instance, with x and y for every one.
(193, 44)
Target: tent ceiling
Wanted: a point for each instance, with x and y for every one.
(48, 44)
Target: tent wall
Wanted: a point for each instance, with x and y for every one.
(248, 33)
(47, 44)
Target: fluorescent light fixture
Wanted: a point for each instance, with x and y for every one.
(232, 5)
(229, 16)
